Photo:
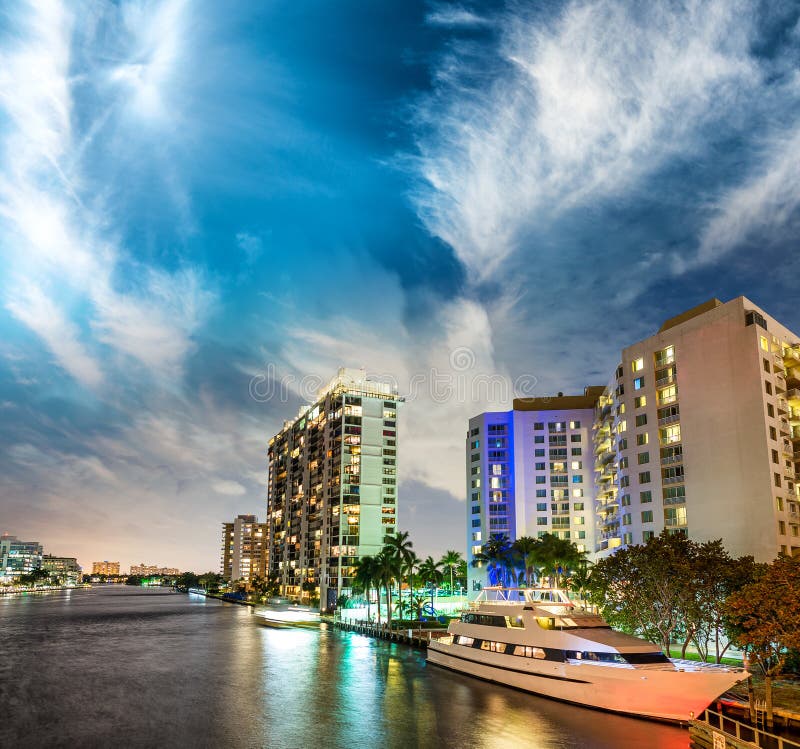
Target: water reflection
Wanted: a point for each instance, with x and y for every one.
(162, 669)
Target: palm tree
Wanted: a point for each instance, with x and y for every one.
(387, 569)
(450, 562)
(430, 573)
(580, 579)
(558, 555)
(492, 554)
(365, 577)
(400, 547)
(528, 548)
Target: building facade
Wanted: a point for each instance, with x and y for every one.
(244, 548)
(530, 472)
(152, 569)
(65, 569)
(699, 433)
(105, 568)
(332, 491)
(18, 557)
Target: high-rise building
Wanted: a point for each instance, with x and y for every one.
(244, 548)
(530, 472)
(153, 569)
(66, 569)
(699, 433)
(332, 494)
(105, 568)
(18, 557)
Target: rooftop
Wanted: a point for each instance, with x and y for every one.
(561, 402)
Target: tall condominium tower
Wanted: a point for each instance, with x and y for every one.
(699, 433)
(332, 493)
(244, 548)
(530, 472)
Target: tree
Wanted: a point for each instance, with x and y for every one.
(211, 581)
(399, 545)
(645, 589)
(764, 619)
(493, 555)
(450, 562)
(557, 555)
(528, 548)
(365, 576)
(387, 569)
(580, 580)
(431, 574)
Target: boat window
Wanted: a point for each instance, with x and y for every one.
(546, 622)
(494, 647)
(487, 620)
(463, 640)
(515, 621)
(529, 652)
(639, 659)
(596, 657)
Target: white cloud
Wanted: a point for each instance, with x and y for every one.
(583, 109)
(761, 207)
(455, 15)
(251, 245)
(33, 308)
(229, 488)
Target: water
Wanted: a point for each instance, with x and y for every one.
(127, 667)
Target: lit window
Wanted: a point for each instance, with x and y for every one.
(576, 465)
(637, 364)
(764, 343)
(638, 383)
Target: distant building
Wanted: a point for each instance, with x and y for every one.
(66, 569)
(146, 570)
(18, 557)
(530, 472)
(332, 493)
(244, 548)
(105, 568)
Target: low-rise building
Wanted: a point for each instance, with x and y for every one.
(66, 569)
(18, 557)
(105, 568)
(146, 570)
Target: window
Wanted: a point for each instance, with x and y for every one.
(643, 458)
(541, 492)
(768, 388)
(576, 451)
(775, 458)
(541, 521)
(538, 452)
(578, 506)
(541, 507)
(642, 439)
(781, 528)
(764, 343)
(539, 439)
(476, 509)
(644, 477)
(638, 383)
(637, 365)
(627, 539)
(576, 465)
(665, 356)
(622, 426)
(557, 426)
(770, 410)
(623, 443)
(577, 492)
(779, 503)
(577, 479)
(670, 434)
(476, 522)
(623, 461)
(667, 395)
(640, 402)
(538, 426)
(541, 479)
(578, 520)
(541, 466)
(475, 444)
(625, 501)
(766, 366)
(645, 497)
(575, 438)
(647, 535)
(627, 519)
(777, 479)
(647, 516)
(625, 481)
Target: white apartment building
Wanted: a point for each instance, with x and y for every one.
(530, 472)
(244, 548)
(699, 433)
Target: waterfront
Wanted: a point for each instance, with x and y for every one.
(142, 667)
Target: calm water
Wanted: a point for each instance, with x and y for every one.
(126, 667)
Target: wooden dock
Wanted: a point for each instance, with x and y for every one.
(416, 638)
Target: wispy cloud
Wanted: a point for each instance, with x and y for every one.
(454, 16)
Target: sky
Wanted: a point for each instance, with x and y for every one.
(207, 208)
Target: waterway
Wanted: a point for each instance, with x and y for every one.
(120, 667)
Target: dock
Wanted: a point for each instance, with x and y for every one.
(416, 638)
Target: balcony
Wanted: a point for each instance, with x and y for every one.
(674, 501)
(672, 480)
(667, 380)
(793, 396)
(666, 400)
(672, 459)
(674, 522)
(673, 419)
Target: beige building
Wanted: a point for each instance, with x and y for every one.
(699, 433)
(530, 471)
(66, 569)
(244, 548)
(105, 568)
(152, 569)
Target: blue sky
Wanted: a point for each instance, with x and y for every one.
(194, 195)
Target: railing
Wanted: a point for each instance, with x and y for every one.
(672, 480)
(744, 732)
(671, 419)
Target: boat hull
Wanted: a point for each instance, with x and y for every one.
(669, 695)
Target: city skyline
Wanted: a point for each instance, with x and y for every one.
(205, 213)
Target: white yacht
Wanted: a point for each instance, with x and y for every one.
(281, 612)
(537, 640)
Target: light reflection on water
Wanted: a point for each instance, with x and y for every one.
(150, 668)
